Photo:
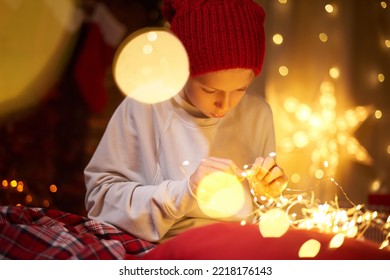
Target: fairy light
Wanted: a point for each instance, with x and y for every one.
(387, 43)
(329, 8)
(334, 72)
(283, 70)
(295, 178)
(378, 114)
(375, 186)
(13, 183)
(323, 37)
(383, 4)
(381, 77)
(301, 209)
(330, 133)
(277, 39)
(53, 188)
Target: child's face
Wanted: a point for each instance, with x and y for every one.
(216, 93)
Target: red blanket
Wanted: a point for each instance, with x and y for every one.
(36, 233)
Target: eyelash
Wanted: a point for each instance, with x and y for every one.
(209, 92)
(214, 91)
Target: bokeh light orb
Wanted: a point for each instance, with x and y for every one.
(151, 65)
(309, 249)
(274, 223)
(220, 195)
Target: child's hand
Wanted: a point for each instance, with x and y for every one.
(267, 178)
(210, 165)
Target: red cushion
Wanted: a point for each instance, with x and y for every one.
(224, 241)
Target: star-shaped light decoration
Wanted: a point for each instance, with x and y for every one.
(325, 132)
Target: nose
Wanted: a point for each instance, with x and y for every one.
(223, 102)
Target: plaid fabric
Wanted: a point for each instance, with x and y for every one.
(37, 233)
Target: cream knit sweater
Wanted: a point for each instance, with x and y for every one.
(136, 180)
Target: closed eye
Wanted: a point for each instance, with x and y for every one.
(209, 91)
(243, 89)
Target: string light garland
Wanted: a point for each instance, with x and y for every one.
(302, 210)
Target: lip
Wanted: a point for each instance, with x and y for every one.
(220, 115)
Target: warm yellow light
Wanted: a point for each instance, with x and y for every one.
(301, 139)
(287, 145)
(381, 77)
(387, 43)
(303, 112)
(319, 174)
(13, 183)
(283, 70)
(4, 183)
(20, 186)
(375, 186)
(323, 37)
(378, 114)
(220, 195)
(46, 203)
(309, 249)
(329, 8)
(278, 39)
(151, 65)
(274, 223)
(53, 188)
(291, 104)
(337, 241)
(282, 1)
(29, 198)
(334, 72)
(388, 149)
(295, 178)
(383, 4)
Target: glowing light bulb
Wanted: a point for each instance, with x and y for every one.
(387, 43)
(381, 77)
(277, 39)
(323, 37)
(378, 114)
(383, 4)
(53, 188)
(329, 8)
(283, 70)
(295, 178)
(334, 72)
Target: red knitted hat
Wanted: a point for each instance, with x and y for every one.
(218, 34)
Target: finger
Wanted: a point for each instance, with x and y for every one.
(266, 166)
(257, 165)
(276, 187)
(275, 173)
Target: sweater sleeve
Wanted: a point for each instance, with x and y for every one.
(119, 190)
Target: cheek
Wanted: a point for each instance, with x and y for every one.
(236, 98)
